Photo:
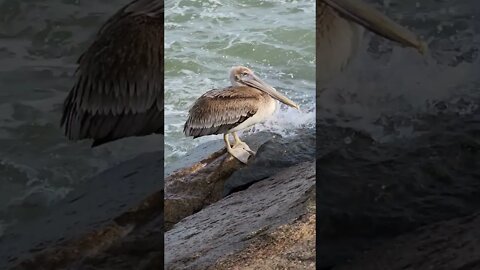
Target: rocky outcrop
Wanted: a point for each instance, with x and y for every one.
(248, 220)
(117, 207)
(400, 200)
(190, 189)
(133, 240)
(116, 220)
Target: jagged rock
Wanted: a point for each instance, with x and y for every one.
(272, 156)
(231, 224)
(116, 205)
(192, 188)
(115, 219)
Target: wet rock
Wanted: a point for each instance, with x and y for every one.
(204, 150)
(233, 223)
(446, 245)
(272, 156)
(126, 235)
(370, 192)
(114, 206)
(116, 219)
(189, 190)
(192, 188)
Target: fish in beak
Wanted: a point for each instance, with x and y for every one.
(254, 81)
(376, 22)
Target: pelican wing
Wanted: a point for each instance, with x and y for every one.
(217, 111)
(119, 81)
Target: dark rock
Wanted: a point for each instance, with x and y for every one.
(116, 204)
(446, 245)
(116, 219)
(272, 156)
(369, 192)
(189, 190)
(133, 240)
(229, 225)
(204, 150)
(192, 188)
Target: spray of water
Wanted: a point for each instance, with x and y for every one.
(384, 96)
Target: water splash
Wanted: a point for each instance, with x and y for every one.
(386, 100)
(286, 122)
(204, 39)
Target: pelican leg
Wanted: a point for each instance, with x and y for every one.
(238, 152)
(239, 143)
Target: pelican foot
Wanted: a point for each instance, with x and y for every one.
(244, 146)
(240, 153)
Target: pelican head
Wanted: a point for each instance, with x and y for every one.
(242, 76)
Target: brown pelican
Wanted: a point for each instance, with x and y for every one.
(340, 27)
(223, 111)
(119, 87)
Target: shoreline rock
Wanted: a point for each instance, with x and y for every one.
(190, 189)
(116, 219)
(290, 246)
(447, 245)
(234, 222)
(91, 219)
(373, 195)
(93, 245)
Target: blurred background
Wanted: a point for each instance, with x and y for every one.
(398, 145)
(392, 93)
(40, 42)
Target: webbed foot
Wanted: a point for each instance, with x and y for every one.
(240, 153)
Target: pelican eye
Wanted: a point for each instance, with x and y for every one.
(244, 74)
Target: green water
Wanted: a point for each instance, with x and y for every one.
(204, 39)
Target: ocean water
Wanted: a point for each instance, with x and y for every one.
(40, 42)
(204, 39)
(390, 92)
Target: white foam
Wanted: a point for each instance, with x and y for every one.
(286, 121)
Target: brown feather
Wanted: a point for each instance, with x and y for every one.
(218, 111)
(120, 78)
